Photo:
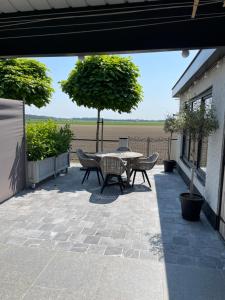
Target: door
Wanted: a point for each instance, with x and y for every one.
(12, 148)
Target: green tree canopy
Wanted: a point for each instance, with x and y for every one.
(25, 79)
(104, 82)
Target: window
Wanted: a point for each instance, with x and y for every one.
(202, 146)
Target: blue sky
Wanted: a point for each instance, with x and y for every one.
(159, 72)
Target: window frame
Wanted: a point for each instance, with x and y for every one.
(201, 174)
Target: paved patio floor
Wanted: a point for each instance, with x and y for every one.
(67, 241)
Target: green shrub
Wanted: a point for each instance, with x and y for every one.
(64, 137)
(46, 139)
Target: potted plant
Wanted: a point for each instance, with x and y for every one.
(170, 126)
(198, 122)
(47, 150)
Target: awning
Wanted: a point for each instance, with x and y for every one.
(73, 27)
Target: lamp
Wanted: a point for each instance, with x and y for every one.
(185, 53)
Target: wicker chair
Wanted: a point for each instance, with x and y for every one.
(112, 167)
(143, 165)
(89, 164)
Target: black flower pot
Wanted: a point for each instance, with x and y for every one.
(191, 206)
(169, 165)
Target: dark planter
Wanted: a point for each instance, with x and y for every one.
(191, 206)
(169, 165)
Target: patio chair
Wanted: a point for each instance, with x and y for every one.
(143, 165)
(89, 164)
(113, 167)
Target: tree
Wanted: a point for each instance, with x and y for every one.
(197, 122)
(25, 79)
(170, 126)
(104, 82)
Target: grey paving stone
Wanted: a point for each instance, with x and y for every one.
(113, 251)
(116, 234)
(104, 232)
(23, 264)
(64, 246)
(181, 241)
(183, 282)
(107, 241)
(61, 236)
(16, 240)
(72, 271)
(72, 295)
(33, 243)
(88, 231)
(39, 293)
(47, 227)
(92, 239)
(48, 235)
(96, 249)
(12, 291)
(60, 228)
(130, 279)
(131, 253)
(145, 254)
(140, 245)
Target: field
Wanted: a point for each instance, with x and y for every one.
(93, 122)
(116, 131)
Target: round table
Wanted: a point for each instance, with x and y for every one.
(129, 156)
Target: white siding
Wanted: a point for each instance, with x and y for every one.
(214, 78)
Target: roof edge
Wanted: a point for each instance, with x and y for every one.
(203, 60)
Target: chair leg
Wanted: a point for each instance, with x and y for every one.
(85, 175)
(134, 178)
(98, 177)
(143, 176)
(101, 174)
(132, 171)
(146, 175)
(88, 174)
(120, 183)
(104, 183)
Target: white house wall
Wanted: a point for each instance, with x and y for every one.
(214, 78)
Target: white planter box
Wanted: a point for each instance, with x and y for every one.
(62, 162)
(40, 170)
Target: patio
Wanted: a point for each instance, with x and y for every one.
(67, 241)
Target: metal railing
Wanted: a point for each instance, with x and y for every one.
(146, 146)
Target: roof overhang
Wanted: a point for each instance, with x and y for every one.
(202, 62)
(73, 27)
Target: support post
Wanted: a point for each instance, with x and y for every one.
(102, 135)
(148, 147)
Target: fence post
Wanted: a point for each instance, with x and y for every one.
(148, 147)
(102, 135)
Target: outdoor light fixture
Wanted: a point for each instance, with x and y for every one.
(185, 53)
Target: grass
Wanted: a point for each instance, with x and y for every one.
(110, 123)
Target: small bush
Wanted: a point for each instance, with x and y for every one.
(45, 139)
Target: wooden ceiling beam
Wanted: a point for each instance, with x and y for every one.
(194, 9)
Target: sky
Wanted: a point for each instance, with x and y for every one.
(159, 72)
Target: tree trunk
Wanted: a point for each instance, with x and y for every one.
(97, 131)
(193, 168)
